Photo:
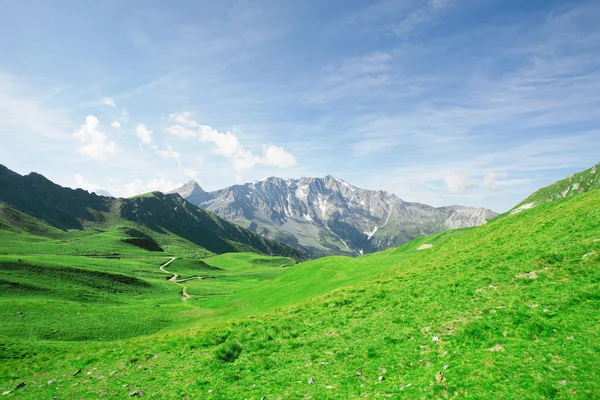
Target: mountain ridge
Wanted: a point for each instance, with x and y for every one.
(326, 216)
(158, 213)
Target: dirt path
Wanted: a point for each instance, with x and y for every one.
(287, 264)
(174, 277)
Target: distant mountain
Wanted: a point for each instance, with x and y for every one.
(580, 182)
(158, 214)
(102, 192)
(325, 216)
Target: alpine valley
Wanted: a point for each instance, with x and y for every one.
(328, 216)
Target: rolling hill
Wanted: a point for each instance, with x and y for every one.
(508, 309)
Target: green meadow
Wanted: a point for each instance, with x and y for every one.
(507, 310)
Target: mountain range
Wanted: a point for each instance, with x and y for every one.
(329, 216)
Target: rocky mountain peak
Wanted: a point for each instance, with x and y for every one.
(324, 216)
(192, 192)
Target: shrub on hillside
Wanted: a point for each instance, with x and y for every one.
(229, 351)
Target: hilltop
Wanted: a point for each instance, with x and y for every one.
(572, 185)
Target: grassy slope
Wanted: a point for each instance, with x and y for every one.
(578, 183)
(513, 305)
(61, 289)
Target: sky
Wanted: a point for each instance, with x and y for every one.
(441, 102)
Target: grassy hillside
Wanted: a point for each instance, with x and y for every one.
(578, 183)
(506, 310)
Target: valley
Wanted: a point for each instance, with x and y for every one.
(316, 200)
(462, 313)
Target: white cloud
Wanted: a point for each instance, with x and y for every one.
(490, 181)
(458, 182)
(228, 145)
(81, 182)
(191, 173)
(184, 118)
(94, 143)
(167, 153)
(143, 133)
(277, 156)
(116, 124)
(180, 131)
(109, 102)
(138, 186)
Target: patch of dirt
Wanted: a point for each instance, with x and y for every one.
(529, 275)
(425, 246)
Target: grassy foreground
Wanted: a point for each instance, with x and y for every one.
(507, 310)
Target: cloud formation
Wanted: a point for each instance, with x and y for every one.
(143, 133)
(93, 142)
(490, 181)
(109, 102)
(458, 182)
(82, 183)
(228, 145)
(167, 153)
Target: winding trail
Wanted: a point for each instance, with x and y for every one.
(176, 281)
(175, 277)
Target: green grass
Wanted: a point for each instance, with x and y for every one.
(506, 310)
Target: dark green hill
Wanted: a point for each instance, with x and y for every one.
(60, 207)
(170, 213)
(36, 205)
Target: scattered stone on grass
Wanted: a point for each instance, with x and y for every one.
(529, 275)
(381, 378)
(425, 246)
(6, 393)
(591, 253)
(439, 377)
(563, 382)
(21, 385)
(137, 393)
(311, 381)
(496, 347)
(76, 373)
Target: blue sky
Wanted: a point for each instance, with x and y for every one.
(438, 101)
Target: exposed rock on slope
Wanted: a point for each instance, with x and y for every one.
(580, 182)
(325, 216)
